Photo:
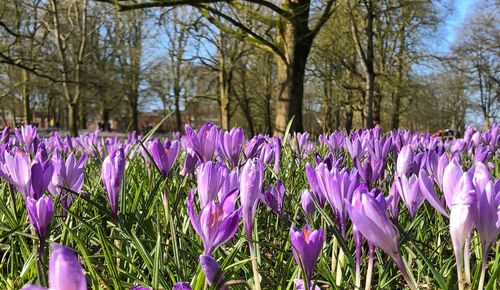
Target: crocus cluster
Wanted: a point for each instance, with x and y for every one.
(365, 181)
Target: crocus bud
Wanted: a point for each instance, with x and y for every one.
(213, 272)
(40, 214)
(181, 286)
(488, 220)
(204, 142)
(427, 189)
(462, 217)
(65, 272)
(307, 203)
(231, 145)
(113, 169)
(67, 178)
(410, 192)
(306, 247)
(210, 178)
(273, 197)
(451, 176)
(371, 219)
(300, 285)
(251, 179)
(405, 160)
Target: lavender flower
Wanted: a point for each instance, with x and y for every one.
(65, 272)
(113, 169)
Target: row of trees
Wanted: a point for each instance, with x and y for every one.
(256, 63)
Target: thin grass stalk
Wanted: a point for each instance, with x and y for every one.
(334, 254)
(340, 265)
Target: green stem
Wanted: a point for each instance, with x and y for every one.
(40, 269)
(484, 266)
(404, 272)
(256, 276)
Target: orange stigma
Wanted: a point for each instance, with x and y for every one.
(306, 234)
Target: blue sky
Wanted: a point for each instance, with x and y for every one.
(451, 27)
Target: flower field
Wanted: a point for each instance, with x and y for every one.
(215, 209)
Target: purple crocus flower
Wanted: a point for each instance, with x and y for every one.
(427, 189)
(113, 169)
(300, 285)
(270, 153)
(68, 178)
(140, 288)
(314, 186)
(190, 162)
(273, 197)
(181, 286)
(216, 223)
(65, 272)
(462, 217)
(213, 272)
(488, 221)
(251, 179)
(335, 140)
(253, 146)
(210, 177)
(370, 218)
(336, 187)
(204, 141)
(307, 203)
(40, 214)
(409, 191)
(164, 155)
(231, 144)
(354, 147)
(26, 136)
(452, 174)
(306, 247)
(29, 179)
(405, 160)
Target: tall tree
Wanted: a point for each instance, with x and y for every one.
(286, 29)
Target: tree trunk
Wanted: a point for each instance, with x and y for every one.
(395, 111)
(224, 91)
(135, 115)
(105, 119)
(377, 104)
(269, 95)
(73, 118)
(296, 39)
(348, 118)
(134, 100)
(327, 107)
(178, 119)
(370, 68)
(28, 117)
(245, 105)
